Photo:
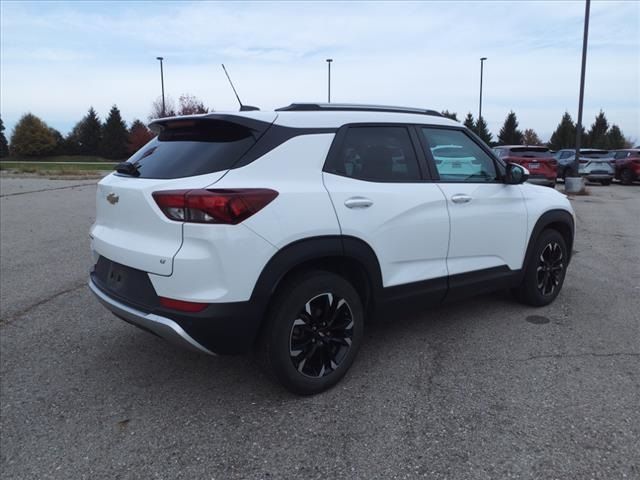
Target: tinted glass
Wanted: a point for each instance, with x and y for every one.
(376, 154)
(189, 148)
(458, 158)
(530, 152)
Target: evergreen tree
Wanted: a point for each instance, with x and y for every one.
(565, 134)
(89, 134)
(469, 122)
(4, 146)
(483, 132)
(450, 115)
(509, 133)
(114, 143)
(530, 137)
(139, 135)
(615, 138)
(597, 136)
(32, 137)
(71, 143)
(59, 149)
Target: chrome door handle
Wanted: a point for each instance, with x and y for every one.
(358, 202)
(460, 198)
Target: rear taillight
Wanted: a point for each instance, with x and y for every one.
(182, 306)
(584, 161)
(213, 206)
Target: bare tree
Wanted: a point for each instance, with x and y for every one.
(191, 105)
(530, 137)
(156, 108)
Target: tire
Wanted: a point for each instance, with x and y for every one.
(626, 177)
(303, 346)
(605, 183)
(545, 271)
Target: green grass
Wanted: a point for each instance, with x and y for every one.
(56, 168)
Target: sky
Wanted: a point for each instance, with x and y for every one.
(59, 58)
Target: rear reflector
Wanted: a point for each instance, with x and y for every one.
(227, 206)
(182, 306)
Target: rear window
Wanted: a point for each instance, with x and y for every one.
(190, 148)
(530, 152)
(602, 154)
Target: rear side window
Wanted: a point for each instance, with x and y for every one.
(190, 148)
(458, 158)
(376, 154)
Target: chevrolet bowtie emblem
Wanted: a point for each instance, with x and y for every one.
(112, 198)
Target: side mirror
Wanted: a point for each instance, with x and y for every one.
(516, 174)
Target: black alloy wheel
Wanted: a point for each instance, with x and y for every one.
(313, 333)
(321, 335)
(550, 268)
(544, 271)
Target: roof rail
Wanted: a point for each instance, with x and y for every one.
(351, 107)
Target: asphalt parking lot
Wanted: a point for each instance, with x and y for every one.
(484, 388)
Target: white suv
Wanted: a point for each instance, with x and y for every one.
(289, 230)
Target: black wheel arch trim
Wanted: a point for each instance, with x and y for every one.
(310, 249)
(547, 219)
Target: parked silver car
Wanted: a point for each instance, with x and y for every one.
(595, 164)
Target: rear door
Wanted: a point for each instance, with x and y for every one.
(380, 195)
(188, 153)
(488, 217)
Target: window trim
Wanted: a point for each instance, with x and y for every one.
(498, 163)
(339, 139)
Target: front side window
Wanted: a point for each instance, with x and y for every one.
(376, 154)
(458, 158)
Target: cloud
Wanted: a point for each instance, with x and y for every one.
(413, 53)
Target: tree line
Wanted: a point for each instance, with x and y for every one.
(600, 135)
(111, 139)
(114, 140)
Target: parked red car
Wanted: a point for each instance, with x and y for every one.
(542, 166)
(627, 165)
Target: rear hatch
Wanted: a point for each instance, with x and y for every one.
(595, 162)
(188, 153)
(538, 160)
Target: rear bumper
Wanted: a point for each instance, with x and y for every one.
(161, 326)
(223, 328)
(596, 177)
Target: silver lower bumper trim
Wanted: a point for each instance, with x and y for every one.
(163, 327)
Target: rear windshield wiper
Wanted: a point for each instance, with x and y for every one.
(128, 168)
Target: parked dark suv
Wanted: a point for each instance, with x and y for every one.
(627, 165)
(539, 161)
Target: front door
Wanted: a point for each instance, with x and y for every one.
(488, 217)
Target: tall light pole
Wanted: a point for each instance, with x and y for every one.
(162, 83)
(575, 167)
(329, 60)
(481, 72)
